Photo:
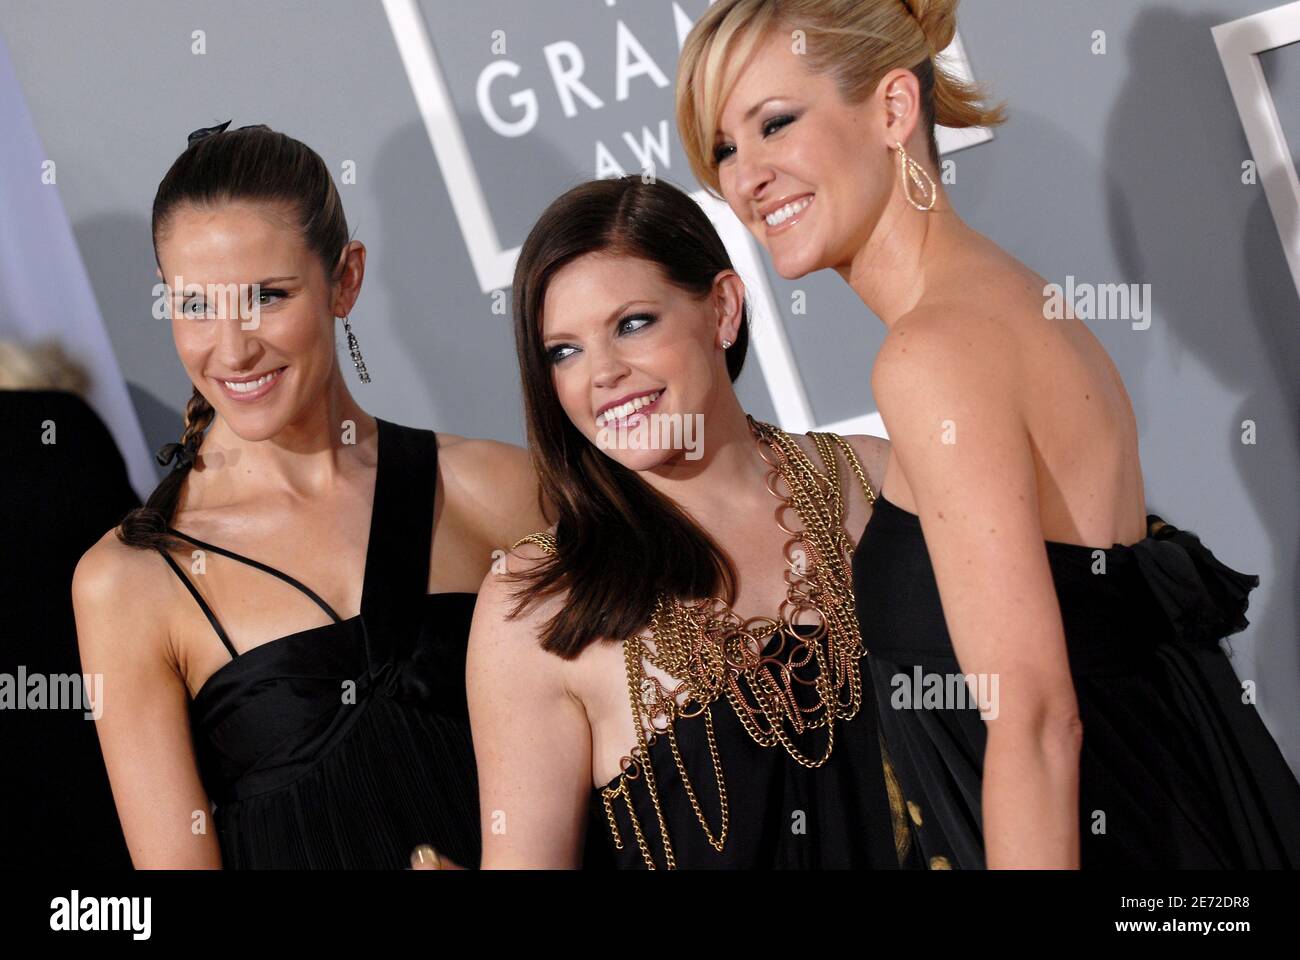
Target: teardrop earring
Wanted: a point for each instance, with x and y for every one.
(354, 348)
(910, 172)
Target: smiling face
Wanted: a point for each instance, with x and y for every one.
(807, 173)
(624, 345)
(258, 371)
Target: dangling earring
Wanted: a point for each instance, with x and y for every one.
(726, 344)
(355, 349)
(910, 172)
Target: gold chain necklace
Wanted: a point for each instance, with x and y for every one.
(755, 663)
(711, 652)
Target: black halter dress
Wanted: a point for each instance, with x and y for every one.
(345, 746)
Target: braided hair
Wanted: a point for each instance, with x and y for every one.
(146, 526)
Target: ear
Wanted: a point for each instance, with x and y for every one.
(729, 304)
(350, 271)
(899, 94)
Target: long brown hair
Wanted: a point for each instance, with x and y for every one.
(255, 164)
(620, 542)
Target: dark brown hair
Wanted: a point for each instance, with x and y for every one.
(620, 542)
(254, 164)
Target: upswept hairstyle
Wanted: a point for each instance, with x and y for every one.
(854, 42)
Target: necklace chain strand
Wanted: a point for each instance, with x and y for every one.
(712, 653)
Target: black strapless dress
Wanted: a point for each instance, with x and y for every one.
(346, 746)
(1175, 772)
(781, 814)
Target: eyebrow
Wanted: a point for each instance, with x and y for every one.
(749, 114)
(562, 335)
(260, 283)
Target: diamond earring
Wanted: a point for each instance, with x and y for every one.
(354, 348)
(726, 344)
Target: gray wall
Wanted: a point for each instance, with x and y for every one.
(1117, 168)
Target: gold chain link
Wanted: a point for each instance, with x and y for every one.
(712, 653)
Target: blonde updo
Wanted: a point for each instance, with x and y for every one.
(854, 42)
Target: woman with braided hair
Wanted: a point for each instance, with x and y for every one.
(280, 631)
(1010, 549)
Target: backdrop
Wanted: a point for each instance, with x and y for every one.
(1124, 162)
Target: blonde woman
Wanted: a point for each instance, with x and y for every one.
(1108, 728)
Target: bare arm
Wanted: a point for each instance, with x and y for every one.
(947, 393)
(492, 491)
(143, 723)
(532, 741)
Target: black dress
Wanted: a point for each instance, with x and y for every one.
(347, 745)
(848, 812)
(1175, 771)
(781, 814)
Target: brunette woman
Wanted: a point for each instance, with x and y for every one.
(672, 676)
(281, 628)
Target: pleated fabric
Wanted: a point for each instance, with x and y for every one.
(1177, 770)
(346, 746)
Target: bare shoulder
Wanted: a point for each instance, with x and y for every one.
(934, 351)
(110, 566)
(119, 585)
(491, 486)
(873, 452)
(976, 325)
(470, 459)
(503, 587)
(504, 639)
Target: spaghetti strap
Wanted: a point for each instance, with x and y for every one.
(207, 611)
(305, 778)
(260, 566)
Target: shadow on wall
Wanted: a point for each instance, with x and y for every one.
(464, 354)
(161, 422)
(118, 253)
(1184, 222)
